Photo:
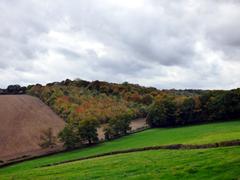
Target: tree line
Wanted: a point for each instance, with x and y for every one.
(77, 133)
(13, 89)
(211, 106)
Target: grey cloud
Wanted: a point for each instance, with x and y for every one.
(71, 54)
(121, 66)
(143, 41)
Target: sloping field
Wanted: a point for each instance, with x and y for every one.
(22, 120)
(199, 134)
(218, 163)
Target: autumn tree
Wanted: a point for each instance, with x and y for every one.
(147, 99)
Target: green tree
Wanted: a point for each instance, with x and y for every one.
(69, 136)
(162, 112)
(87, 130)
(186, 111)
(157, 115)
(118, 126)
(109, 133)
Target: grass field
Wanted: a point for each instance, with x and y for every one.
(219, 163)
(198, 134)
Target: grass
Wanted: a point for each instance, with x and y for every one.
(198, 134)
(218, 163)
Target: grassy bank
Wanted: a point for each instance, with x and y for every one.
(198, 134)
(219, 163)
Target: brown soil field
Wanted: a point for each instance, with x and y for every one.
(23, 118)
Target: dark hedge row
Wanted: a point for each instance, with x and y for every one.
(13, 89)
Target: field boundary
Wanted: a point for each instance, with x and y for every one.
(235, 142)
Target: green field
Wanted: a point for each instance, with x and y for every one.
(198, 134)
(219, 163)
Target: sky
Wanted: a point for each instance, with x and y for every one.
(165, 44)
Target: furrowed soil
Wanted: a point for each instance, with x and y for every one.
(23, 119)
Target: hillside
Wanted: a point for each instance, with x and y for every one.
(97, 110)
(199, 134)
(78, 100)
(89, 111)
(219, 163)
(23, 118)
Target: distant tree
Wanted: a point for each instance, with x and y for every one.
(109, 133)
(186, 111)
(125, 83)
(48, 140)
(135, 97)
(162, 112)
(143, 111)
(15, 89)
(147, 99)
(87, 130)
(231, 100)
(157, 115)
(69, 136)
(118, 127)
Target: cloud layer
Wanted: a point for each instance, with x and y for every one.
(166, 44)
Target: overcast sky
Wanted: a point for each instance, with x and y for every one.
(160, 43)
